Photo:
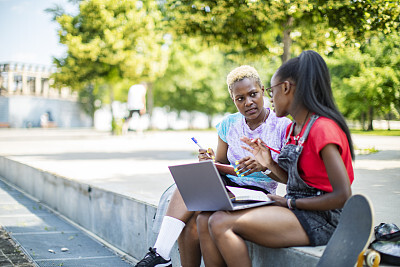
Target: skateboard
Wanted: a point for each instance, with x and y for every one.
(352, 234)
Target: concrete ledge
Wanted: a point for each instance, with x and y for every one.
(124, 222)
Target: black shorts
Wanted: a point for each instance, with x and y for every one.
(319, 225)
(131, 111)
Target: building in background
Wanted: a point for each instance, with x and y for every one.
(26, 97)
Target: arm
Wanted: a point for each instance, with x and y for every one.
(338, 178)
(143, 110)
(222, 152)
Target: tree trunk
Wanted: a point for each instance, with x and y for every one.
(370, 118)
(388, 121)
(191, 117)
(167, 113)
(287, 41)
(114, 127)
(363, 121)
(150, 103)
(210, 118)
(91, 102)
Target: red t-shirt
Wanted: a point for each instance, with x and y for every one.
(311, 167)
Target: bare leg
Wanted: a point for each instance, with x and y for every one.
(189, 245)
(211, 255)
(269, 226)
(188, 241)
(125, 126)
(175, 222)
(177, 208)
(139, 127)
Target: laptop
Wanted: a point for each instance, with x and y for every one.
(202, 188)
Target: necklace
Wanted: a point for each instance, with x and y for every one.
(297, 137)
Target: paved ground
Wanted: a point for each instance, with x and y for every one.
(10, 253)
(137, 166)
(46, 238)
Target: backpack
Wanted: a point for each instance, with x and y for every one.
(387, 243)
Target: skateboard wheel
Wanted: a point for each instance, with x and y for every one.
(360, 260)
(373, 258)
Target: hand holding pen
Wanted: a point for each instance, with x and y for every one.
(203, 153)
(259, 141)
(260, 150)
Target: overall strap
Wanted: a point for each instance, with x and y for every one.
(303, 138)
(289, 133)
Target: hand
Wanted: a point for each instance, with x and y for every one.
(279, 201)
(261, 153)
(248, 165)
(206, 154)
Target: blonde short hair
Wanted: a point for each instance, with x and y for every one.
(240, 73)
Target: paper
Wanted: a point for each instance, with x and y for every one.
(244, 194)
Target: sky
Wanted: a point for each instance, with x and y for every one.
(27, 34)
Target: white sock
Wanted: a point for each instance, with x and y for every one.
(170, 230)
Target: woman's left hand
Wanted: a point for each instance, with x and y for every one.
(247, 165)
(279, 201)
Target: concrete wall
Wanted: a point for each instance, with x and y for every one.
(124, 222)
(25, 111)
(4, 109)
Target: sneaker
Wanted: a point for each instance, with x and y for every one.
(153, 259)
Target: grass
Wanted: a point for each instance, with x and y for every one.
(377, 132)
(365, 151)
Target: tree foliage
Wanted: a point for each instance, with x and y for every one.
(367, 79)
(186, 48)
(194, 80)
(110, 42)
(259, 27)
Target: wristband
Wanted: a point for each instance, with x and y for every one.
(293, 203)
(266, 172)
(289, 204)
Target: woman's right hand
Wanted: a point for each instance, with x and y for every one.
(206, 154)
(261, 153)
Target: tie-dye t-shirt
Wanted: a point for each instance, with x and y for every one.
(272, 132)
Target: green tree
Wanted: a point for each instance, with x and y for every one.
(109, 43)
(260, 27)
(366, 80)
(194, 79)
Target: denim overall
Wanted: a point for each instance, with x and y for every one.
(319, 225)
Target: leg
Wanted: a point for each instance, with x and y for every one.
(173, 223)
(177, 208)
(125, 126)
(269, 226)
(171, 227)
(211, 255)
(139, 127)
(189, 246)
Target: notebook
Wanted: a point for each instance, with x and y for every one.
(202, 188)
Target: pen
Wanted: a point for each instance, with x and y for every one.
(264, 144)
(197, 143)
(276, 151)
